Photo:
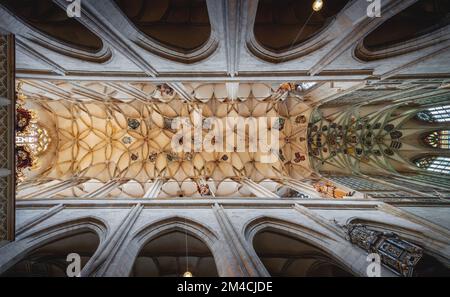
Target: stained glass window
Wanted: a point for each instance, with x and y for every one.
(435, 114)
(439, 139)
(435, 164)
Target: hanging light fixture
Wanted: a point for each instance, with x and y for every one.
(187, 274)
(317, 5)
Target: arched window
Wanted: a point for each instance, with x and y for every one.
(438, 139)
(437, 114)
(435, 164)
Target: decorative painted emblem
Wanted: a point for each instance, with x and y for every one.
(133, 124)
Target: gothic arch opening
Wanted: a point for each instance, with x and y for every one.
(50, 260)
(281, 24)
(434, 163)
(422, 18)
(52, 20)
(435, 115)
(172, 254)
(179, 24)
(287, 256)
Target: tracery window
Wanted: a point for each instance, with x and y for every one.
(437, 114)
(435, 164)
(438, 139)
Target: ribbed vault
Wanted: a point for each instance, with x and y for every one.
(102, 132)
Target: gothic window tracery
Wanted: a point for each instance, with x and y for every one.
(435, 164)
(438, 139)
(437, 114)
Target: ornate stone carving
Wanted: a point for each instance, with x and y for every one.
(203, 189)
(152, 157)
(331, 190)
(31, 139)
(127, 140)
(279, 124)
(133, 124)
(165, 89)
(5, 140)
(398, 255)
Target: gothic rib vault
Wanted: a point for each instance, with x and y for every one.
(361, 110)
(115, 138)
(129, 140)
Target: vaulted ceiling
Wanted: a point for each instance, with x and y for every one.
(101, 132)
(87, 77)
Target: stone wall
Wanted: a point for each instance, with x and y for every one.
(226, 226)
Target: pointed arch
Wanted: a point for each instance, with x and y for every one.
(434, 163)
(175, 227)
(421, 25)
(32, 241)
(326, 247)
(439, 139)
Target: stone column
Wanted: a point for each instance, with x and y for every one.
(258, 190)
(39, 218)
(398, 212)
(232, 90)
(320, 220)
(248, 261)
(47, 192)
(106, 253)
(154, 189)
(30, 184)
(301, 187)
(34, 185)
(104, 190)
